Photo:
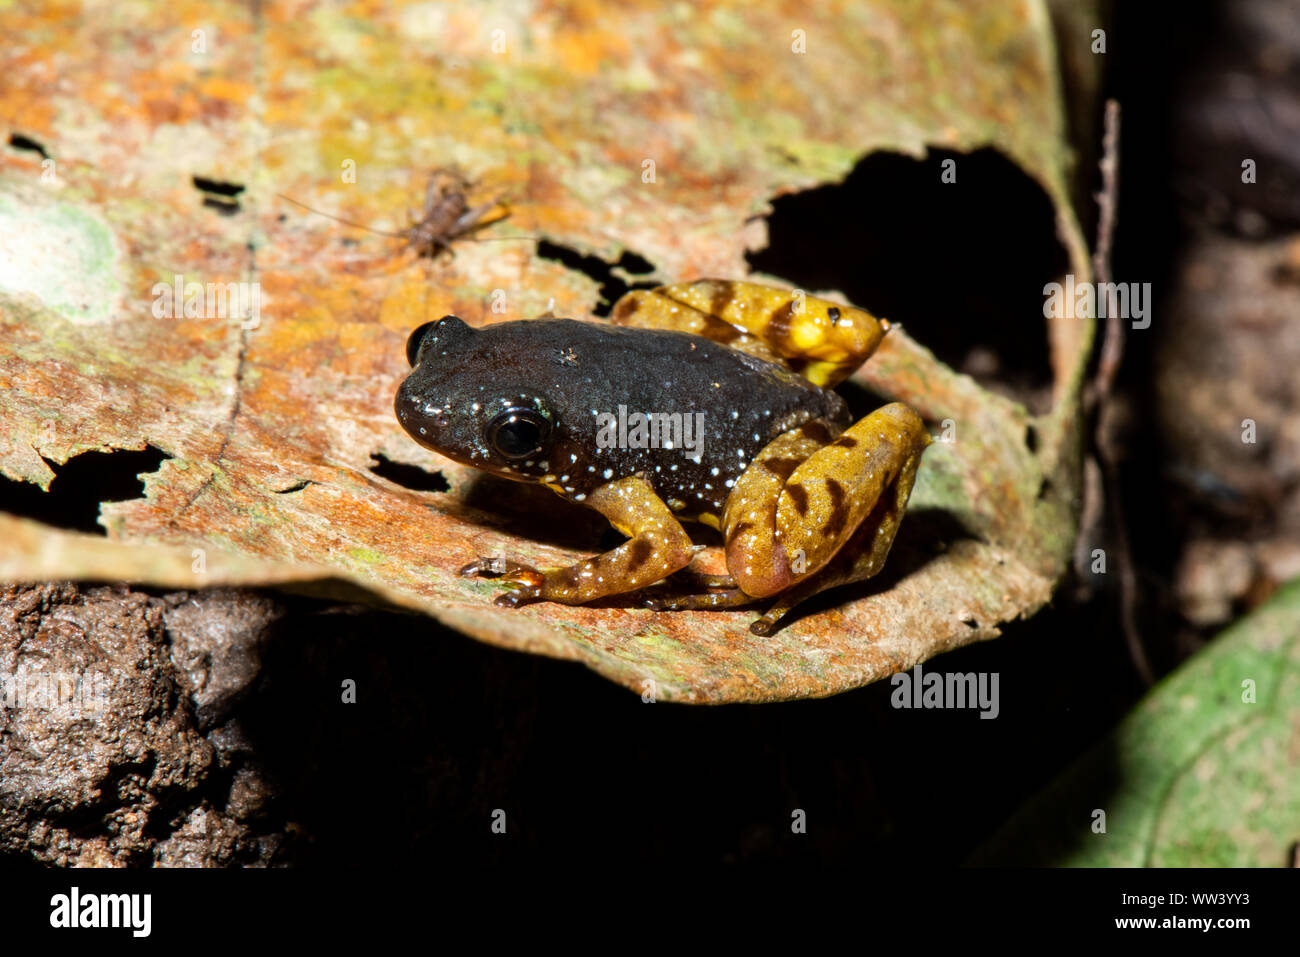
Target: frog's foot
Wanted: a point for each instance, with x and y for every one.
(696, 598)
(699, 580)
(770, 620)
(524, 581)
(730, 598)
(735, 598)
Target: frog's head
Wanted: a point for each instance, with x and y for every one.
(468, 397)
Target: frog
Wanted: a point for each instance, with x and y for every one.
(766, 453)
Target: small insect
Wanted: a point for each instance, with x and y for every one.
(447, 216)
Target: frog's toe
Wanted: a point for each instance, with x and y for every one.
(518, 595)
(491, 566)
(730, 598)
(484, 568)
(698, 580)
(523, 581)
(770, 622)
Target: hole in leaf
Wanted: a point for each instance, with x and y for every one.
(612, 287)
(295, 487)
(79, 486)
(218, 187)
(219, 195)
(408, 476)
(636, 265)
(20, 142)
(962, 265)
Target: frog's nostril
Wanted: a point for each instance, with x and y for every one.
(408, 407)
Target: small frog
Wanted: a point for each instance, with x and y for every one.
(707, 401)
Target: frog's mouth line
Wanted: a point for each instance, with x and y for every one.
(481, 465)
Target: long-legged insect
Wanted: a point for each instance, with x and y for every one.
(447, 216)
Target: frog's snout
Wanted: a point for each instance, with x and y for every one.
(422, 421)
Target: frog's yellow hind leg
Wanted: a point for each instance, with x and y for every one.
(789, 516)
(821, 340)
(838, 514)
(653, 309)
(862, 557)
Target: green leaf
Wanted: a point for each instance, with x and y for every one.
(1205, 772)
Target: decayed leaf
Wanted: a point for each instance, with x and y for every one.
(1205, 772)
(271, 424)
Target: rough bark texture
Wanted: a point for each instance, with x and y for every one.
(161, 775)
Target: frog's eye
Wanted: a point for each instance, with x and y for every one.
(414, 340)
(518, 433)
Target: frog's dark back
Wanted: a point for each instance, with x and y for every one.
(577, 371)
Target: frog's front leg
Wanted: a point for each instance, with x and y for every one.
(810, 514)
(657, 546)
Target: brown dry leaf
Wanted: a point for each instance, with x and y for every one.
(271, 424)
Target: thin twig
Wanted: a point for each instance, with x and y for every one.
(1099, 396)
(1112, 346)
